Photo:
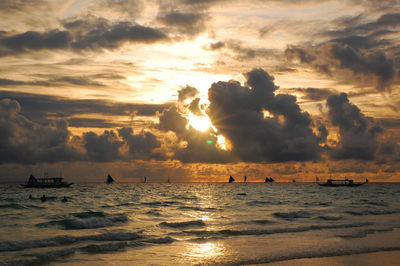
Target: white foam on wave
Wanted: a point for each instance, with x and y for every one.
(65, 240)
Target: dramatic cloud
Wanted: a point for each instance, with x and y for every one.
(238, 113)
(367, 49)
(187, 92)
(103, 147)
(242, 52)
(189, 23)
(315, 94)
(88, 33)
(141, 145)
(358, 134)
(24, 141)
(45, 108)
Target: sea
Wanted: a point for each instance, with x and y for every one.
(195, 223)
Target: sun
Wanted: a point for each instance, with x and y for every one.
(200, 123)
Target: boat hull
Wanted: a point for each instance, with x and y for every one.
(63, 185)
(341, 185)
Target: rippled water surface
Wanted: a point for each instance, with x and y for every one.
(195, 223)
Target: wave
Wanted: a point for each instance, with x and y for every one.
(88, 223)
(183, 224)
(292, 215)
(66, 240)
(229, 232)
(371, 212)
(364, 233)
(262, 221)
(88, 214)
(153, 213)
(257, 203)
(197, 208)
(329, 218)
(12, 206)
(313, 254)
(104, 248)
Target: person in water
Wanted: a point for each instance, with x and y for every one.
(64, 199)
(43, 198)
(30, 196)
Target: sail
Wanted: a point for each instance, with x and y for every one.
(109, 179)
(231, 179)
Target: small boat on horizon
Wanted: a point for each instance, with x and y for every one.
(269, 180)
(48, 182)
(110, 180)
(231, 179)
(342, 183)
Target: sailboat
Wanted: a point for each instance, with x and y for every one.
(231, 179)
(109, 179)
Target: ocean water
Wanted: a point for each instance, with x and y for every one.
(195, 223)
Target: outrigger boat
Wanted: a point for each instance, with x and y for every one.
(342, 183)
(51, 182)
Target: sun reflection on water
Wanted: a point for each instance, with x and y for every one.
(205, 250)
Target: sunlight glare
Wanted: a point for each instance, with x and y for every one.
(223, 143)
(200, 123)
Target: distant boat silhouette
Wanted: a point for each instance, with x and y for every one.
(109, 179)
(49, 182)
(342, 183)
(269, 180)
(294, 181)
(231, 179)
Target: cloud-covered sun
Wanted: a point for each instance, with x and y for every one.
(200, 123)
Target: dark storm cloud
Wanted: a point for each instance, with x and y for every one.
(140, 145)
(27, 142)
(24, 141)
(190, 23)
(357, 133)
(365, 48)
(171, 120)
(32, 40)
(111, 36)
(88, 33)
(102, 148)
(44, 108)
(55, 81)
(237, 113)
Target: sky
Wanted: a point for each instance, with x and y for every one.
(197, 90)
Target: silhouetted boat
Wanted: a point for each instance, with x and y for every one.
(269, 180)
(231, 179)
(109, 179)
(50, 182)
(342, 183)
